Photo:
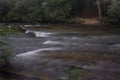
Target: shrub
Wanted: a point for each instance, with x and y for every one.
(77, 73)
(114, 12)
(5, 53)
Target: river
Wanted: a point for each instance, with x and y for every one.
(48, 54)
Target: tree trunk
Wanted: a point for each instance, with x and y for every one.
(99, 9)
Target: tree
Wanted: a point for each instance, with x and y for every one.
(5, 6)
(99, 8)
(114, 11)
(56, 10)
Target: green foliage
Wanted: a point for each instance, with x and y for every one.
(36, 10)
(4, 31)
(5, 6)
(56, 10)
(104, 6)
(12, 16)
(77, 73)
(114, 11)
(5, 53)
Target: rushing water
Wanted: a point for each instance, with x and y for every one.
(47, 55)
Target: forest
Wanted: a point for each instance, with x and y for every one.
(57, 11)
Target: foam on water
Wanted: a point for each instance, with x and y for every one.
(39, 33)
(52, 42)
(64, 43)
(30, 53)
(42, 34)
